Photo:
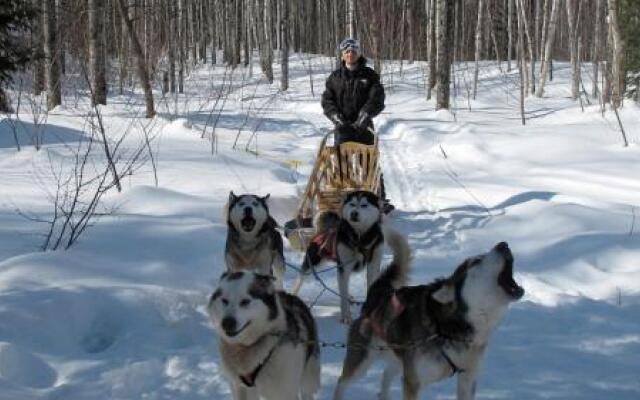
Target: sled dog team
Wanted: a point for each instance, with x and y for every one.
(268, 339)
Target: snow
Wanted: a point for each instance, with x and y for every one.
(120, 315)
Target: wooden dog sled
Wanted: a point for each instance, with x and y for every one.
(337, 170)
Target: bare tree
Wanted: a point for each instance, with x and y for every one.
(445, 52)
(431, 46)
(76, 200)
(618, 55)
(573, 17)
(479, 28)
(351, 18)
(522, 64)
(37, 44)
(284, 42)
(52, 60)
(597, 48)
(509, 33)
(143, 74)
(546, 61)
(97, 52)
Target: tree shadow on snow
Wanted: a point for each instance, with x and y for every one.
(28, 134)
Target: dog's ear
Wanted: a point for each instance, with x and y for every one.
(232, 197)
(265, 198)
(265, 281)
(445, 295)
(262, 284)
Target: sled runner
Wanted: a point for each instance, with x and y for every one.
(337, 170)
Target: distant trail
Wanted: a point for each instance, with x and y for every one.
(400, 187)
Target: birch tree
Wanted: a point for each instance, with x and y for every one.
(548, 46)
(618, 55)
(479, 29)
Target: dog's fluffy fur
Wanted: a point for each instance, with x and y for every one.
(253, 242)
(268, 339)
(434, 331)
(356, 237)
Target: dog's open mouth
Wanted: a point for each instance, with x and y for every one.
(237, 332)
(248, 223)
(510, 287)
(505, 279)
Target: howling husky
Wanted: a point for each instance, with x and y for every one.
(431, 332)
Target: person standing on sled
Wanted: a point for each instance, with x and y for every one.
(352, 97)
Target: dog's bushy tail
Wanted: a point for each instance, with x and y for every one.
(394, 275)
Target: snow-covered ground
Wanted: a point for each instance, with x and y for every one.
(121, 314)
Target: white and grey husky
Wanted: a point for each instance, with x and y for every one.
(268, 339)
(354, 239)
(252, 239)
(431, 332)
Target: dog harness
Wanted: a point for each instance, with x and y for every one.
(250, 378)
(454, 367)
(397, 307)
(327, 244)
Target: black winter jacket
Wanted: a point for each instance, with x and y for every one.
(347, 92)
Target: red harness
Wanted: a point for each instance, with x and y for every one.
(376, 320)
(326, 241)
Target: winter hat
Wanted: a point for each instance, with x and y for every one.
(350, 44)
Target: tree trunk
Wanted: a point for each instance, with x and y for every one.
(37, 43)
(522, 64)
(479, 27)
(351, 22)
(266, 53)
(597, 48)
(5, 107)
(509, 33)
(445, 52)
(213, 38)
(51, 57)
(431, 47)
(284, 42)
(171, 44)
(618, 56)
(548, 49)
(527, 33)
(143, 75)
(97, 52)
(573, 12)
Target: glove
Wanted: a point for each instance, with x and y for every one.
(362, 121)
(337, 120)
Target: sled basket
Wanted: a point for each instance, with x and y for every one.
(337, 171)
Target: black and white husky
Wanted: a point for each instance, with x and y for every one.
(253, 242)
(268, 339)
(431, 332)
(355, 240)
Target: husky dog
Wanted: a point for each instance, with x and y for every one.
(252, 239)
(355, 240)
(434, 331)
(268, 339)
